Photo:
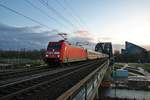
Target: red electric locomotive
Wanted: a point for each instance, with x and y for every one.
(62, 52)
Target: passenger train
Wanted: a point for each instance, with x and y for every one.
(62, 52)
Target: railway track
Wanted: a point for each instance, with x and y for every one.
(4, 76)
(31, 81)
(29, 75)
(22, 72)
(51, 83)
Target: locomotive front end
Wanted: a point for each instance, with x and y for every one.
(53, 53)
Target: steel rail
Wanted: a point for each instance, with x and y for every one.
(71, 91)
(10, 77)
(71, 70)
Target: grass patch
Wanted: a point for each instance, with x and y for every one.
(23, 63)
(118, 65)
(145, 66)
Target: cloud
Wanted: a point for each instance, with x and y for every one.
(104, 39)
(82, 33)
(5, 28)
(84, 38)
(34, 37)
(24, 37)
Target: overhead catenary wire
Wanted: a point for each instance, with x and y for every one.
(45, 4)
(45, 13)
(27, 17)
(57, 13)
(70, 13)
(79, 18)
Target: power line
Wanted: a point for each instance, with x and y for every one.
(70, 13)
(27, 17)
(43, 12)
(81, 21)
(57, 13)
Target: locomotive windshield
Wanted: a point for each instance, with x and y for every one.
(55, 46)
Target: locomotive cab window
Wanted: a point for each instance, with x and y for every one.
(54, 46)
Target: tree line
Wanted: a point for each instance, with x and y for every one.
(32, 54)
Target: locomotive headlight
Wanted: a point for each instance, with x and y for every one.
(58, 56)
(46, 55)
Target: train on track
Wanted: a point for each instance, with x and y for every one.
(62, 52)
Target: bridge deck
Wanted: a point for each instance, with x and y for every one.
(51, 87)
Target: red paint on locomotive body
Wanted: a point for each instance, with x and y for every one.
(72, 53)
(62, 52)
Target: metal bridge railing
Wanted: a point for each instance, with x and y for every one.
(87, 88)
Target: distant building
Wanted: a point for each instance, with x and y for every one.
(134, 53)
(131, 48)
(123, 51)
